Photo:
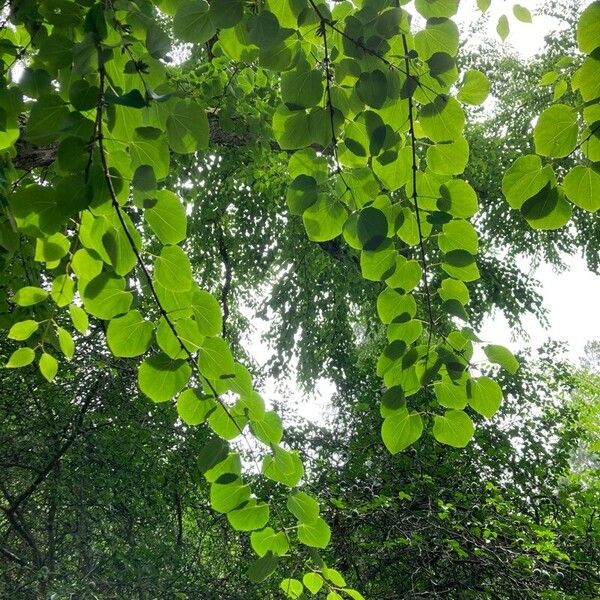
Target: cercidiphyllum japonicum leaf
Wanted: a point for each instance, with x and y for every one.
(555, 133)
(588, 28)
(582, 187)
(502, 356)
(401, 429)
(161, 377)
(453, 428)
(475, 87)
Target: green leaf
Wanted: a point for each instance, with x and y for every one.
(442, 120)
(172, 269)
(161, 378)
(458, 198)
(436, 8)
(52, 248)
(29, 295)
(283, 466)
(215, 359)
(524, 179)
(213, 453)
(334, 576)
(324, 220)
(187, 127)
(454, 428)
(227, 421)
(451, 395)
(378, 264)
(207, 313)
(166, 216)
(268, 541)
(406, 276)
(371, 228)
(79, 318)
(401, 429)
(502, 356)
(485, 396)
(586, 79)
(304, 507)
(45, 119)
(291, 128)
(315, 534)
(522, 14)
(48, 366)
(269, 429)
(502, 27)
(582, 187)
(251, 517)
(460, 264)
(313, 582)
(20, 358)
(226, 13)
(555, 133)
(192, 22)
(547, 209)
(191, 409)
(475, 88)
(302, 88)
(63, 290)
(292, 588)
(23, 330)
(225, 497)
(449, 158)
(588, 28)
(439, 35)
(392, 305)
(452, 289)
(129, 335)
(458, 235)
(262, 568)
(372, 88)
(65, 341)
(105, 296)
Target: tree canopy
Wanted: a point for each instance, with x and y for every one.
(365, 179)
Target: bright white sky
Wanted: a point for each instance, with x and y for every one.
(571, 298)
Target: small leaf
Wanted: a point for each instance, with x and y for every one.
(79, 318)
(161, 377)
(66, 343)
(23, 330)
(267, 540)
(454, 428)
(30, 295)
(502, 356)
(401, 429)
(48, 366)
(262, 568)
(523, 14)
(283, 466)
(315, 534)
(20, 358)
(304, 507)
(129, 335)
(292, 588)
(313, 582)
(502, 27)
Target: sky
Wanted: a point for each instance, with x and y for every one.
(571, 297)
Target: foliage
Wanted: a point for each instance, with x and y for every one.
(122, 177)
